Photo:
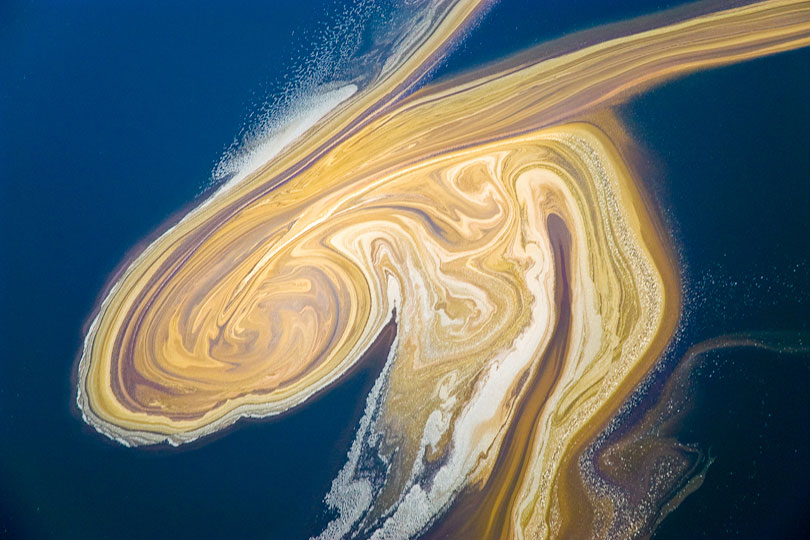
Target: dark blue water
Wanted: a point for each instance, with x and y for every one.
(111, 117)
(731, 148)
(514, 25)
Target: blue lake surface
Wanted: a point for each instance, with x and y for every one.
(112, 116)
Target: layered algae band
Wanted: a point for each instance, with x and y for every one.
(494, 217)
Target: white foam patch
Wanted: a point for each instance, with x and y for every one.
(270, 140)
(351, 495)
(316, 81)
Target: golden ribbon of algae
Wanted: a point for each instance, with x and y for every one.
(520, 262)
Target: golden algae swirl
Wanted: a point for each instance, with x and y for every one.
(495, 219)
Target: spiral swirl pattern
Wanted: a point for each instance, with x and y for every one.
(495, 219)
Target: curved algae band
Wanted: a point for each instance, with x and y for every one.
(531, 286)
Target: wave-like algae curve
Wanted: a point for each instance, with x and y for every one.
(494, 217)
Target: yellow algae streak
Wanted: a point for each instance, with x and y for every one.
(495, 218)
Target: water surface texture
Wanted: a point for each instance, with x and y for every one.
(434, 269)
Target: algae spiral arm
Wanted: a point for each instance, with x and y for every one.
(496, 217)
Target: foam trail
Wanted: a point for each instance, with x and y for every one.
(277, 136)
